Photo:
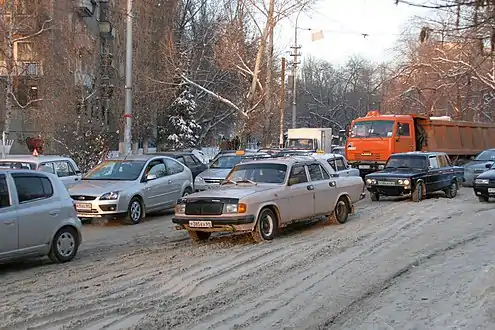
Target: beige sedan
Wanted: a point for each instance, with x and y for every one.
(264, 196)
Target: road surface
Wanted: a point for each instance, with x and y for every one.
(394, 265)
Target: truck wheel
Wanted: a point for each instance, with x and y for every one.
(451, 191)
(375, 197)
(483, 199)
(417, 194)
(199, 236)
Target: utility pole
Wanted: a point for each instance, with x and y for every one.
(282, 103)
(295, 54)
(128, 83)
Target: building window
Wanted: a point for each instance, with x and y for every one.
(25, 52)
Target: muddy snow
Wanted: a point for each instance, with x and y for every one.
(395, 265)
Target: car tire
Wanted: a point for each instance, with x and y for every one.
(187, 191)
(417, 194)
(341, 212)
(375, 197)
(451, 191)
(64, 245)
(483, 199)
(266, 226)
(199, 236)
(135, 212)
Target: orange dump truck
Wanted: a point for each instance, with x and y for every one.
(372, 139)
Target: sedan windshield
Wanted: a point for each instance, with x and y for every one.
(17, 165)
(406, 162)
(226, 162)
(259, 173)
(487, 155)
(373, 128)
(121, 170)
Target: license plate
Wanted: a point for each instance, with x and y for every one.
(200, 224)
(491, 190)
(365, 167)
(386, 183)
(83, 206)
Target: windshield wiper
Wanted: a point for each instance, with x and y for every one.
(245, 181)
(402, 166)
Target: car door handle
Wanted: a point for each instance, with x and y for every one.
(310, 187)
(332, 184)
(170, 181)
(76, 179)
(54, 212)
(9, 222)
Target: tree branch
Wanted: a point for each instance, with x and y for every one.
(40, 31)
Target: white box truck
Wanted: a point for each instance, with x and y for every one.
(311, 139)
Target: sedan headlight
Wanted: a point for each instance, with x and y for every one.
(180, 209)
(370, 181)
(113, 195)
(481, 181)
(404, 182)
(199, 179)
(234, 208)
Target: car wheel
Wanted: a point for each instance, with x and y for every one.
(375, 197)
(417, 194)
(266, 226)
(64, 245)
(135, 212)
(451, 191)
(186, 192)
(199, 236)
(483, 199)
(341, 212)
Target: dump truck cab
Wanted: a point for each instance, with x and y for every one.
(372, 139)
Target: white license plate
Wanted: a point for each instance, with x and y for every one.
(365, 167)
(83, 206)
(200, 224)
(491, 190)
(386, 183)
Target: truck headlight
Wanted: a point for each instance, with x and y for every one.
(234, 208)
(113, 195)
(481, 181)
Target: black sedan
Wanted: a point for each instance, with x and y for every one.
(484, 184)
(188, 159)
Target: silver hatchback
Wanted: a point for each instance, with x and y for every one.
(37, 217)
(129, 187)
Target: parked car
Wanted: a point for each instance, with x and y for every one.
(484, 184)
(219, 169)
(478, 165)
(339, 151)
(264, 196)
(65, 168)
(187, 158)
(37, 217)
(339, 164)
(415, 173)
(130, 187)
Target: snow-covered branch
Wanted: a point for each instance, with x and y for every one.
(40, 31)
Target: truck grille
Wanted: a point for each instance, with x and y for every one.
(204, 208)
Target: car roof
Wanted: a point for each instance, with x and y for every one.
(34, 159)
(247, 153)
(419, 153)
(22, 171)
(284, 160)
(144, 157)
(171, 153)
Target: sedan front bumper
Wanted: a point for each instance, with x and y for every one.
(487, 190)
(212, 224)
(99, 209)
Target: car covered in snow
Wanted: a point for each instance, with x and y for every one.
(263, 196)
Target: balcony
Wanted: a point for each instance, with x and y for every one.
(22, 68)
(107, 31)
(86, 8)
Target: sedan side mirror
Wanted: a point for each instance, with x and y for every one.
(488, 165)
(151, 177)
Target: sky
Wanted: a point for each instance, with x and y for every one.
(342, 23)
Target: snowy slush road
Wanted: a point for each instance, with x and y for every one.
(394, 265)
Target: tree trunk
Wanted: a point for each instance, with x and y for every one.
(9, 87)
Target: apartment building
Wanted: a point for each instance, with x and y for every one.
(55, 54)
